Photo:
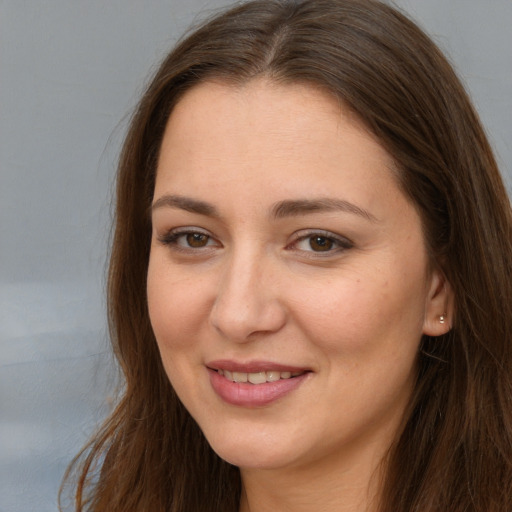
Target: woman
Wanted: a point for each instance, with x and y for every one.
(309, 284)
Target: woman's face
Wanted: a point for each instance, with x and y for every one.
(288, 281)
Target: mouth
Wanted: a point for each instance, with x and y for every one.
(258, 377)
(255, 384)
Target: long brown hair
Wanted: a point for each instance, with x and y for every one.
(455, 450)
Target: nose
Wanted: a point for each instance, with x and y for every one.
(248, 304)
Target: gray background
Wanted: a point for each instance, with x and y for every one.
(70, 71)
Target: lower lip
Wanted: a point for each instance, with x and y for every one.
(245, 394)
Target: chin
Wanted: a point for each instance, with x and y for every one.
(261, 461)
(253, 453)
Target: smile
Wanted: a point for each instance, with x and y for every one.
(258, 377)
(256, 384)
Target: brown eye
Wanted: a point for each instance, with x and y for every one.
(189, 241)
(197, 240)
(321, 243)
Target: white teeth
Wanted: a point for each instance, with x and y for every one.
(239, 377)
(258, 377)
(273, 376)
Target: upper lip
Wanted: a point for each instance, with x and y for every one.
(253, 366)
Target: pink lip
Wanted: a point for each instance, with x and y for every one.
(251, 395)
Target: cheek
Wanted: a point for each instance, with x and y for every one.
(175, 304)
(366, 313)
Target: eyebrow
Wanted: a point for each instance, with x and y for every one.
(294, 208)
(282, 209)
(186, 203)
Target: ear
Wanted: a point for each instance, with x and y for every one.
(439, 305)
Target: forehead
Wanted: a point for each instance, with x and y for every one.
(264, 123)
(258, 101)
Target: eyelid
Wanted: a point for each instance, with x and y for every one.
(171, 236)
(342, 242)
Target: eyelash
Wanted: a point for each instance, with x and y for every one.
(171, 238)
(337, 243)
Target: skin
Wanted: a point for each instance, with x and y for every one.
(256, 286)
